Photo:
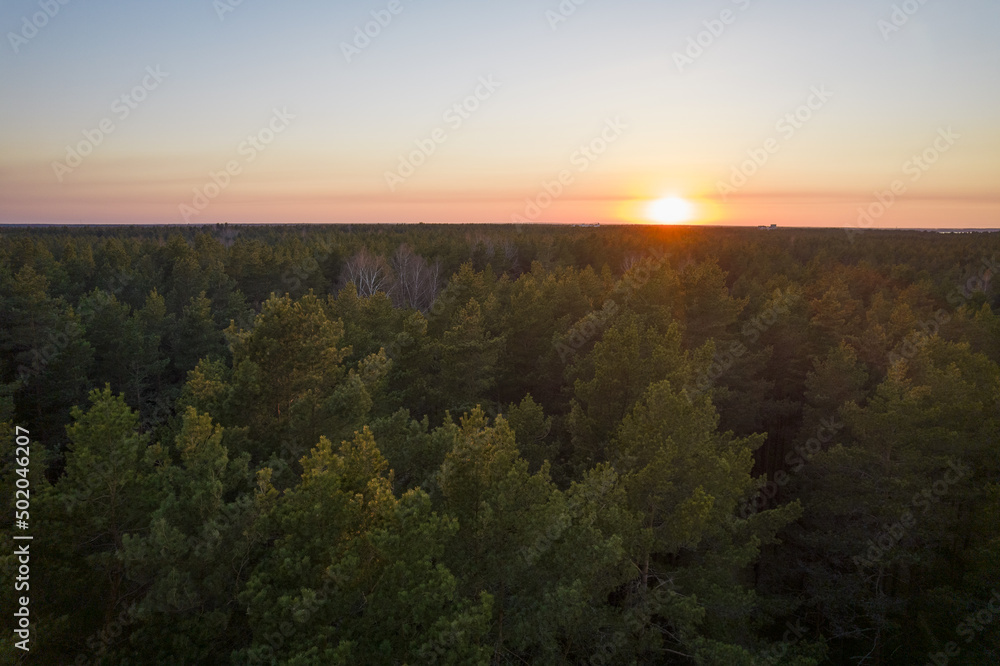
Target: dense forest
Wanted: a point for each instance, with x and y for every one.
(502, 445)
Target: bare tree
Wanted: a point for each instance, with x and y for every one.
(369, 272)
(509, 251)
(631, 261)
(417, 283)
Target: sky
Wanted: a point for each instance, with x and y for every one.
(831, 113)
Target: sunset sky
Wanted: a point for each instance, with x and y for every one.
(615, 99)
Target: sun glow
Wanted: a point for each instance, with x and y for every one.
(671, 210)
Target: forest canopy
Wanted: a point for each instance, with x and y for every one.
(503, 445)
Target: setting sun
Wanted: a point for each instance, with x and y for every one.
(671, 210)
